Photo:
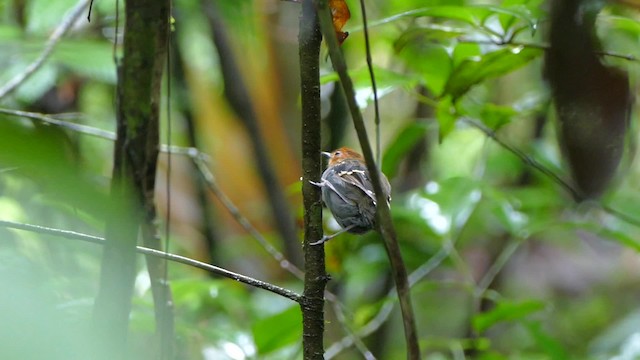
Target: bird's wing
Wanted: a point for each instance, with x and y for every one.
(359, 179)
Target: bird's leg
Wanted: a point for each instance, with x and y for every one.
(329, 237)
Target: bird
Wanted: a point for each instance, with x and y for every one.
(348, 192)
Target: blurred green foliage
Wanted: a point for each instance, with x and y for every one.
(506, 265)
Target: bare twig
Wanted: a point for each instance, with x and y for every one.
(385, 224)
(355, 339)
(95, 132)
(528, 160)
(376, 104)
(73, 235)
(242, 220)
(55, 37)
(199, 159)
(79, 128)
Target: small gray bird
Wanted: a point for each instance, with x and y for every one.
(348, 192)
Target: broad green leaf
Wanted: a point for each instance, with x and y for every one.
(430, 60)
(400, 146)
(474, 70)
(446, 115)
(628, 25)
(386, 82)
(278, 331)
(506, 311)
(464, 51)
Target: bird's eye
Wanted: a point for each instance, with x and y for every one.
(337, 153)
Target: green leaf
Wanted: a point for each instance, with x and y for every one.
(278, 331)
(93, 59)
(446, 115)
(506, 311)
(400, 146)
(474, 70)
(630, 26)
(496, 116)
(464, 51)
(548, 344)
(431, 61)
(386, 82)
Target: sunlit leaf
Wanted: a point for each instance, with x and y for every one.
(446, 115)
(278, 331)
(386, 82)
(496, 116)
(428, 59)
(474, 70)
(403, 143)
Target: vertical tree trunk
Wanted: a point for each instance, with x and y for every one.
(135, 156)
(315, 276)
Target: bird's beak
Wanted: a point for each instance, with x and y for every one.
(324, 153)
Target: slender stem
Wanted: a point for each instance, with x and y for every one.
(74, 235)
(385, 225)
(376, 104)
(54, 39)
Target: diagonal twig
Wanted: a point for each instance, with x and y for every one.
(73, 235)
(54, 39)
(209, 179)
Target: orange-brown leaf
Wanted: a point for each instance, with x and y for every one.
(340, 14)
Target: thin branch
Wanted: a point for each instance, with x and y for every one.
(496, 267)
(199, 159)
(528, 160)
(621, 216)
(535, 164)
(89, 14)
(385, 224)
(545, 47)
(95, 132)
(55, 37)
(211, 183)
(73, 235)
(355, 339)
(376, 104)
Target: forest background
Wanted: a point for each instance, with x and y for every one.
(511, 252)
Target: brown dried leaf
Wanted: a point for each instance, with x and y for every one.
(340, 14)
